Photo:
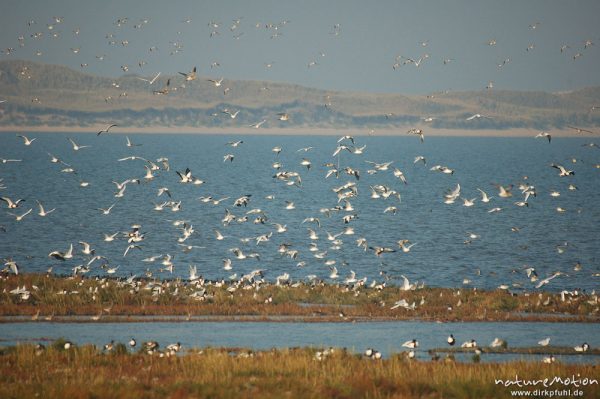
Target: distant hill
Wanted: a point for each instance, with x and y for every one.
(51, 95)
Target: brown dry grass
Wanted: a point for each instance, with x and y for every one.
(85, 373)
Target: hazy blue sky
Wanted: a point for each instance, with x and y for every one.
(359, 57)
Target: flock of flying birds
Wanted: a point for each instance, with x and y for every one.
(324, 246)
(344, 193)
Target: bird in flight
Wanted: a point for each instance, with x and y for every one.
(151, 81)
(26, 140)
(190, 75)
(77, 147)
(580, 130)
(106, 130)
(258, 124)
(544, 134)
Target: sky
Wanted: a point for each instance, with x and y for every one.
(354, 44)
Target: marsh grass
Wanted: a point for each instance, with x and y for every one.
(64, 296)
(85, 372)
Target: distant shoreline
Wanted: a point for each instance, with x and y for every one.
(400, 131)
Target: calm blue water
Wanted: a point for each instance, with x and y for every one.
(440, 257)
(387, 337)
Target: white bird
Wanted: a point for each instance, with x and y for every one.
(235, 143)
(26, 140)
(334, 272)
(219, 236)
(4, 160)
(412, 344)
(544, 342)
(484, 196)
(232, 115)
(547, 280)
(87, 249)
(151, 81)
(42, 211)
(20, 217)
(110, 237)
(130, 143)
(77, 147)
(420, 158)
(62, 255)
(468, 202)
(258, 124)
(107, 210)
(217, 83)
(477, 116)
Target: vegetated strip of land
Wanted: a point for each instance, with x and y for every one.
(295, 131)
(102, 299)
(86, 372)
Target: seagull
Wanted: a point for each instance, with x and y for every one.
(77, 147)
(235, 143)
(563, 171)
(130, 144)
(580, 130)
(26, 141)
(110, 237)
(165, 89)
(504, 192)
(107, 210)
(10, 203)
(544, 134)
(190, 75)
(20, 217)
(228, 157)
(42, 211)
(398, 173)
(258, 124)
(87, 249)
(380, 166)
(420, 158)
(217, 83)
(102, 131)
(231, 115)
(129, 247)
(477, 116)
(582, 348)
(3, 160)
(219, 236)
(544, 342)
(149, 81)
(484, 196)
(404, 247)
(412, 344)
(62, 255)
(547, 280)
